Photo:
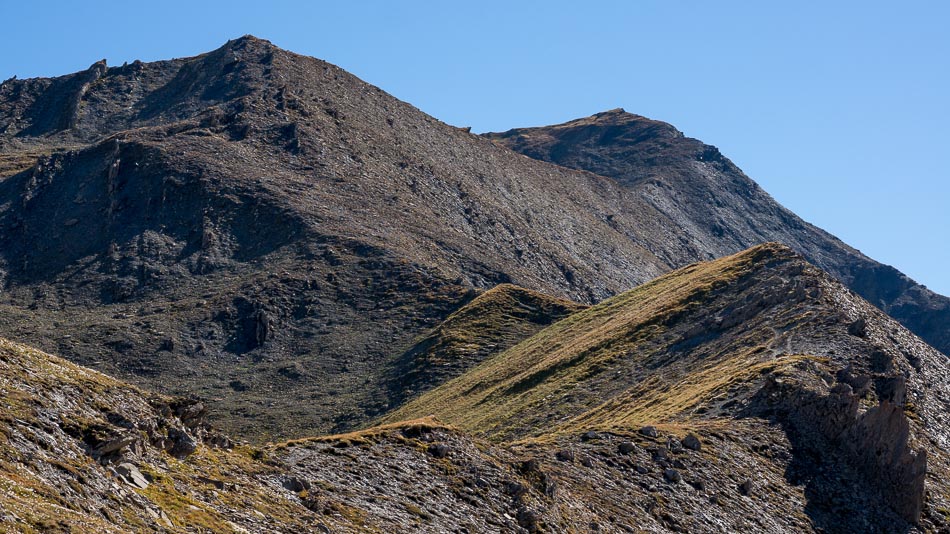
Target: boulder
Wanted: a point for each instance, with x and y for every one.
(626, 447)
(515, 489)
(590, 436)
(674, 445)
(191, 413)
(745, 487)
(218, 441)
(131, 475)
(296, 484)
(529, 519)
(439, 450)
(672, 475)
(859, 328)
(182, 444)
(114, 445)
(649, 431)
(692, 442)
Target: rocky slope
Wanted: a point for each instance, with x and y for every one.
(82, 452)
(269, 232)
(750, 394)
(760, 344)
(697, 192)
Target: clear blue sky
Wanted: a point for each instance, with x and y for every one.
(841, 110)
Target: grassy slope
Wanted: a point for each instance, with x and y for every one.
(565, 371)
(491, 323)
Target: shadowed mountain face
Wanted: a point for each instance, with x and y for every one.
(250, 221)
(271, 233)
(703, 198)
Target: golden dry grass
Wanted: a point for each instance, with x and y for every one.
(540, 376)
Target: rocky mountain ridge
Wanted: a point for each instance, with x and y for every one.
(698, 192)
(252, 221)
(759, 343)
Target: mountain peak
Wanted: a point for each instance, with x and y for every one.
(611, 112)
(249, 40)
(621, 117)
(603, 119)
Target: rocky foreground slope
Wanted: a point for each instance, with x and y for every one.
(750, 394)
(269, 232)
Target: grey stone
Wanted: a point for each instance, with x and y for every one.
(745, 487)
(439, 450)
(674, 445)
(672, 475)
(529, 519)
(858, 328)
(692, 442)
(182, 444)
(516, 489)
(115, 444)
(296, 485)
(131, 475)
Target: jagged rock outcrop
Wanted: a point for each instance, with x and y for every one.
(875, 439)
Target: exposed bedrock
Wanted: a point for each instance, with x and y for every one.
(876, 440)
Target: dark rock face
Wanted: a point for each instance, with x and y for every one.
(709, 208)
(875, 440)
